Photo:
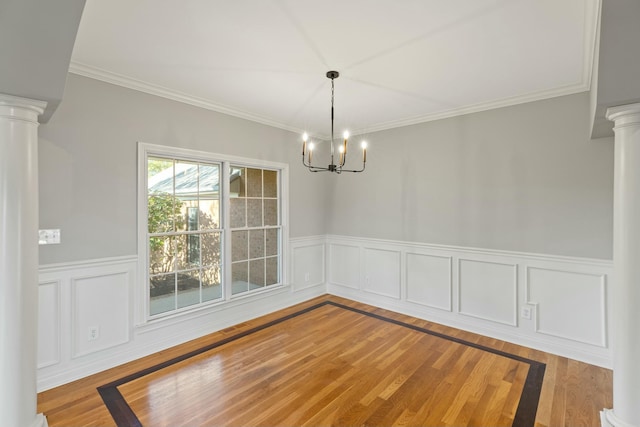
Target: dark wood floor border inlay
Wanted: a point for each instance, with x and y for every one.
(525, 413)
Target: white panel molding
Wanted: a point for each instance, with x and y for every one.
(122, 278)
(381, 271)
(447, 283)
(513, 286)
(343, 259)
(598, 307)
(308, 262)
(516, 329)
(54, 324)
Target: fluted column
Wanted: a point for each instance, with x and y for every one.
(19, 261)
(626, 269)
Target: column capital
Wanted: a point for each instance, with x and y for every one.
(21, 108)
(624, 115)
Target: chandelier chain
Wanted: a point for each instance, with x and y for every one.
(332, 91)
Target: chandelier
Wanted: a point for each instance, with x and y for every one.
(333, 167)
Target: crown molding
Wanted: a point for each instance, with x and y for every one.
(164, 92)
(476, 108)
(591, 40)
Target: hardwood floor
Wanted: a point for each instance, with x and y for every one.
(338, 362)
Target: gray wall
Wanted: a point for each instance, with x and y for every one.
(36, 41)
(88, 164)
(525, 178)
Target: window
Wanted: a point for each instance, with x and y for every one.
(254, 227)
(211, 228)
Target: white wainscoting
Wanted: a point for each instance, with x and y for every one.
(342, 259)
(382, 272)
(308, 263)
(48, 323)
(488, 290)
(76, 298)
(482, 291)
(429, 280)
(101, 306)
(576, 297)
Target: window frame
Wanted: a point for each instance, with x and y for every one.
(141, 297)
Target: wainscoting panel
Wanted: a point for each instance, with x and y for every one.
(101, 311)
(488, 290)
(568, 304)
(382, 272)
(48, 323)
(308, 264)
(483, 291)
(344, 262)
(429, 280)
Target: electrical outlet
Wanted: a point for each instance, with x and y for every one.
(525, 312)
(49, 237)
(94, 333)
(307, 277)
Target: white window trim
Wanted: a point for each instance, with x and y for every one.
(141, 299)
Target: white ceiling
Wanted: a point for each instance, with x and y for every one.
(400, 61)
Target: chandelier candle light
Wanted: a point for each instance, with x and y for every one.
(333, 167)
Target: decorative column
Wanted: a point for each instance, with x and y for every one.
(626, 269)
(19, 261)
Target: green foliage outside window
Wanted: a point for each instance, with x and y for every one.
(164, 215)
